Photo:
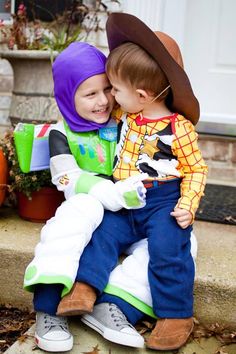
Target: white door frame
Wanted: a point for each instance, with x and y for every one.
(164, 15)
(160, 15)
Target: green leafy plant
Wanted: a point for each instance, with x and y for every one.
(19, 181)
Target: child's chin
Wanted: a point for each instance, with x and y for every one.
(124, 109)
(102, 120)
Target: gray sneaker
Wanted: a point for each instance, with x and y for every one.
(52, 333)
(108, 320)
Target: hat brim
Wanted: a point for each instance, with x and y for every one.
(122, 28)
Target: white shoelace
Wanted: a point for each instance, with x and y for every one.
(119, 317)
(54, 321)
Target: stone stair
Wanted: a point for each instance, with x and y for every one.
(215, 285)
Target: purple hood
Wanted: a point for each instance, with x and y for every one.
(76, 63)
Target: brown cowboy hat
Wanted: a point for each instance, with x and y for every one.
(122, 27)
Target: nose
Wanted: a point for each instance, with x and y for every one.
(112, 91)
(103, 100)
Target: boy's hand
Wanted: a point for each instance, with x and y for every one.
(183, 217)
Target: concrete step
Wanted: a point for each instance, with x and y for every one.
(215, 285)
(87, 341)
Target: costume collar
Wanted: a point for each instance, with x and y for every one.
(140, 120)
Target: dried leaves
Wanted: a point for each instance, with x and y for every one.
(222, 333)
(145, 327)
(14, 323)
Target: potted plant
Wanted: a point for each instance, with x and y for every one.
(36, 197)
(31, 45)
(3, 176)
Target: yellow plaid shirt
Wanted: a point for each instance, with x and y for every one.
(138, 146)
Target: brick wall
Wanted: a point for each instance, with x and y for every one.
(220, 155)
(6, 87)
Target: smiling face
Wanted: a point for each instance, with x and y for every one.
(93, 99)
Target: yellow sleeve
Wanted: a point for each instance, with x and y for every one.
(117, 113)
(191, 165)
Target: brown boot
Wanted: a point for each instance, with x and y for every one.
(170, 334)
(80, 300)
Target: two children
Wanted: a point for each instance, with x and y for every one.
(157, 136)
(158, 142)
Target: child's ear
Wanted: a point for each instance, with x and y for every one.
(143, 95)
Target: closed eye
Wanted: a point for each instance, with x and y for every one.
(90, 94)
(108, 88)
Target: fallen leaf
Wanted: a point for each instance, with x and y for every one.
(23, 337)
(223, 334)
(35, 347)
(144, 326)
(94, 351)
(149, 325)
(220, 351)
(227, 337)
(14, 323)
(196, 322)
(230, 218)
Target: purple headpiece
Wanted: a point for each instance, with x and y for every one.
(78, 62)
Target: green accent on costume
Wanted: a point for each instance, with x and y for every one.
(85, 182)
(94, 151)
(140, 305)
(23, 138)
(30, 272)
(131, 199)
(50, 279)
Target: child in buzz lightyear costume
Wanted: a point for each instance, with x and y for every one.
(82, 148)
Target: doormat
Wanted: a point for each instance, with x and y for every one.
(218, 205)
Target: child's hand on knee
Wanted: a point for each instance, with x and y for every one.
(183, 217)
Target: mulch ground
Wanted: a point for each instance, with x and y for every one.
(14, 323)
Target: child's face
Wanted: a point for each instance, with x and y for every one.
(126, 96)
(93, 99)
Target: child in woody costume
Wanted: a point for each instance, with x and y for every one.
(81, 153)
(157, 137)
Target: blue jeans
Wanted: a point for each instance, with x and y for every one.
(171, 267)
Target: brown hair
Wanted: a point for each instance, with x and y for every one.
(133, 65)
